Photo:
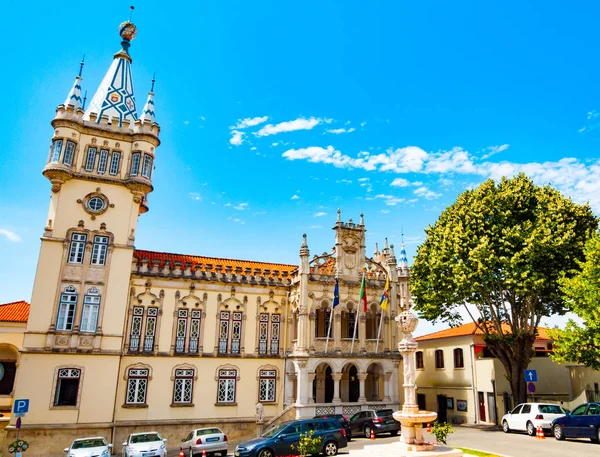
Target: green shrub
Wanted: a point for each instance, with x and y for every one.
(441, 431)
(309, 444)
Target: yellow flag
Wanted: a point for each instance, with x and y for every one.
(385, 296)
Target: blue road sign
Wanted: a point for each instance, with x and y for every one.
(21, 406)
(531, 376)
(531, 387)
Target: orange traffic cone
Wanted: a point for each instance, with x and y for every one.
(429, 428)
(539, 434)
(181, 454)
(372, 434)
(203, 452)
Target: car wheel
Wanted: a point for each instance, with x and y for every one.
(505, 427)
(394, 433)
(265, 453)
(367, 431)
(330, 449)
(559, 434)
(530, 429)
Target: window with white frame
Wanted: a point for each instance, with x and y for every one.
(90, 311)
(137, 386)
(226, 386)
(67, 387)
(135, 163)
(180, 330)
(135, 333)
(69, 153)
(263, 333)
(90, 159)
(99, 250)
(103, 161)
(266, 385)
(56, 150)
(77, 247)
(275, 327)
(147, 166)
(236, 332)
(184, 386)
(195, 331)
(66, 309)
(152, 315)
(115, 161)
(223, 331)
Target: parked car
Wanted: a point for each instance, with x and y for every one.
(88, 447)
(278, 440)
(583, 422)
(145, 445)
(212, 440)
(527, 417)
(382, 421)
(343, 420)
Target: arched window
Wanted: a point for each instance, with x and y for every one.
(459, 361)
(268, 324)
(323, 316)
(348, 324)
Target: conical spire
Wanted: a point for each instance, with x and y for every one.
(403, 257)
(74, 97)
(115, 96)
(148, 111)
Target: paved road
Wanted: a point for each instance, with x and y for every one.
(495, 441)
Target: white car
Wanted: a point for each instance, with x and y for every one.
(88, 447)
(148, 444)
(526, 417)
(211, 440)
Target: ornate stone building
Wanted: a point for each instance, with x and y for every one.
(121, 339)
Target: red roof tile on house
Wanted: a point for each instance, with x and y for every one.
(472, 329)
(17, 311)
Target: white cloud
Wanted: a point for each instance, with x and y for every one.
(493, 150)
(315, 227)
(362, 124)
(237, 137)
(186, 122)
(249, 122)
(344, 181)
(241, 206)
(320, 214)
(385, 211)
(195, 196)
(426, 193)
(236, 220)
(390, 200)
(295, 197)
(400, 182)
(11, 236)
(290, 126)
(342, 130)
(363, 179)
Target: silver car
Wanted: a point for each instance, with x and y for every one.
(88, 447)
(149, 444)
(212, 440)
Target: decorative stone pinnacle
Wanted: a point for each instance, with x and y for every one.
(362, 220)
(339, 216)
(304, 248)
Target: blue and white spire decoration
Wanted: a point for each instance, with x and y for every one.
(115, 96)
(74, 97)
(403, 258)
(148, 111)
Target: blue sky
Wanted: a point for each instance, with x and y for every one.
(274, 114)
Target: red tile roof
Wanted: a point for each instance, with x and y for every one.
(472, 329)
(151, 256)
(17, 311)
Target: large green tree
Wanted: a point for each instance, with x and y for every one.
(498, 252)
(581, 343)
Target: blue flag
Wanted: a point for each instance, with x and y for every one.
(336, 293)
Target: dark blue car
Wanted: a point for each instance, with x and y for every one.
(278, 441)
(582, 422)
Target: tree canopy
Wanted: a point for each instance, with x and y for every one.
(499, 252)
(577, 343)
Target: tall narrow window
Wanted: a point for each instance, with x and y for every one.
(275, 323)
(266, 385)
(137, 386)
(226, 387)
(150, 329)
(69, 153)
(103, 161)
(459, 362)
(56, 150)
(115, 161)
(223, 331)
(263, 333)
(67, 387)
(77, 247)
(439, 358)
(99, 250)
(182, 315)
(147, 166)
(419, 360)
(236, 333)
(135, 163)
(66, 309)
(348, 323)
(91, 308)
(136, 328)
(90, 159)
(195, 330)
(183, 386)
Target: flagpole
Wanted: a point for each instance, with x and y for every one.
(355, 324)
(379, 333)
(337, 278)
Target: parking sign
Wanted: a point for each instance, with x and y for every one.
(21, 406)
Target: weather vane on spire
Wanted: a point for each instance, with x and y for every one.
(127, 30)
(81, 65)
(153, 80)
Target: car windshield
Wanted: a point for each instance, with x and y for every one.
(551, 409)
(83, 444)
(207, 431)
(273, 431)
(384, 412)
(145, 438)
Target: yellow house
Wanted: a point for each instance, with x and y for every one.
(13, 319)
(122, 339)
(459, 378)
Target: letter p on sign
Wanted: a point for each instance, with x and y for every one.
(21, 406)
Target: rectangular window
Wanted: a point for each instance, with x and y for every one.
(263, 333)
(66, 311)
(419, 360)
(223, 332)
(147, 166)
(136, 328)
(349, 318)
(275, 322)
(182, 315)
(89, 314)
(103, 161)
(266, 386)
(137, 385)
(67, 387)
(135, 163)
(236, 333)
(77, 248)
(90, 160)
(150, 329)
(458, 358)
(115, 161)
(226, 388)
(439, 358)
(69, 153)
(99, 250)
(56, 150)
(183, 386)
(195, 331)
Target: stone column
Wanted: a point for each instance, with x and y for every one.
(289, 388)
(311, 378)
(362, 377)
(304, 307)
(337, 331)
(362, 331)
(337, 377)
(302, 388)
(387, 377)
